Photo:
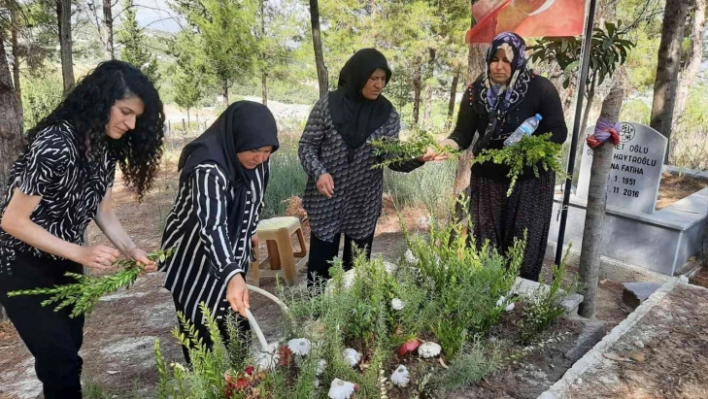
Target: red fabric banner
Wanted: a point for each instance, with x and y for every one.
(528, 18)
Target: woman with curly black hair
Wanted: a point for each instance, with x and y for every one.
(58, 185)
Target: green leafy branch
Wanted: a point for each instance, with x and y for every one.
(84, 294)
(530, 151)
(394, 151)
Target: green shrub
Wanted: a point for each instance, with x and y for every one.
(40, 95)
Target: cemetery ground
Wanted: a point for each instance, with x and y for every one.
(120, 333)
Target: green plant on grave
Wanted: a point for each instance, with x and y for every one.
(83, 295)
(466, 282)
(392, 151)
(545, 304)
(527, 153)
(475, 362)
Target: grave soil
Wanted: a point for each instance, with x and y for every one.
(530, 376)
(675, 187)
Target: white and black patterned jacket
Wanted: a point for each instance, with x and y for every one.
(358, 188)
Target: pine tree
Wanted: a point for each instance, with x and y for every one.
(132, 40)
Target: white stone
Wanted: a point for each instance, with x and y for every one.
(267, 360)
(321, 365)
(397, 304)
(352, 357)
(429, 349)
(299, 346)
(341, 389)
(400, 377)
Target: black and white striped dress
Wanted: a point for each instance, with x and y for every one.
(211, 237)
(71, 189)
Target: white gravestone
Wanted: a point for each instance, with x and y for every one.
(635, 173)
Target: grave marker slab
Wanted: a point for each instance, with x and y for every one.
(635, 173)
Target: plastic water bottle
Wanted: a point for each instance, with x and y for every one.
(526, 129)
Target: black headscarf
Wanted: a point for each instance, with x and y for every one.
(244, 126)
(354, 116)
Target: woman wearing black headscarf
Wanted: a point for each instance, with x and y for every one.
(224, 174)
(500, 100)
(344, 193)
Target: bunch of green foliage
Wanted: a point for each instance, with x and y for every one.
(85, 293)
(529, 152)
(392, 151)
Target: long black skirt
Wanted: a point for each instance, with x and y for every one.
(500, 219)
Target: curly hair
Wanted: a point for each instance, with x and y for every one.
(87, 107)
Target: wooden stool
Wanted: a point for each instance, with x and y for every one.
(276, 233)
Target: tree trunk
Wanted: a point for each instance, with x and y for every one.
(476, 65)
(264, 88)
(264, 72)
(108, 29)
(225, 91)
(189, 121)
(429, 86)
(597, 202)
(453, 95)
(15, 56)
(417, 88)
(688, 75)
(11, 138)
(667, 70)
(67, 61)
(317, 43)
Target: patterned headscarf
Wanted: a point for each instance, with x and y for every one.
(501, 97)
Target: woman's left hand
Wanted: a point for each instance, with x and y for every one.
(141, 257)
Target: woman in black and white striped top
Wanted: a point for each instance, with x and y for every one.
(61, 182)
(224, 174)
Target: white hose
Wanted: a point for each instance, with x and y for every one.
(252, 320)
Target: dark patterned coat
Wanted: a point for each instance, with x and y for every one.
(358, 187)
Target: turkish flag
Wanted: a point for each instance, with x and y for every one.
(528, 18)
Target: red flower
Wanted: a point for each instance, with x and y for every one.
(242, 384)
(249, 370)
(284, 354)
(409, 346)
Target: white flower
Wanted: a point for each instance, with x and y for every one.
(300, 346)
(320, 367)
(510, 307)
(429, 349)
(267, 360)
(397, 304)
(410, 258)
(341, 389)
(351, 356)
(400, 376)
(501, 301)
(316, 382)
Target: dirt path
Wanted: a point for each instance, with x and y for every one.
(665, 356)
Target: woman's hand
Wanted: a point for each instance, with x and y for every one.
(141, 257)
(432, 155)
(325, 185)
(237, 294)
(99, 257)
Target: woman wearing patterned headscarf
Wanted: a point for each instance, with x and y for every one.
(344, 193)
(500, 100)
